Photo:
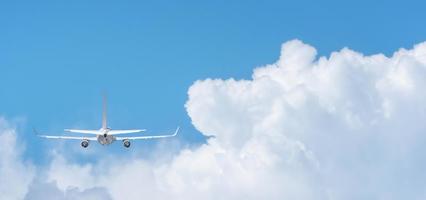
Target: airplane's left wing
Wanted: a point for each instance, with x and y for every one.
(63, 137)
(148, 136)
(67, 137)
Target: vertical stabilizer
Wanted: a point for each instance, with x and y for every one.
(104, 113)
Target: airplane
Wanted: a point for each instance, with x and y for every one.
(105, 135)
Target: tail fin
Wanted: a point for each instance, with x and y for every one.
(104, 113)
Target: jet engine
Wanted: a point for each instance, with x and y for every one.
(126, 143)
(85, 143)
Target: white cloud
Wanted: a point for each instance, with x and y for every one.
(19, 178)
(15, 173)
(358, 118)
(50, 191)
(344, 127)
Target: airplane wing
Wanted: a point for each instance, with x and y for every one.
(95, 132)
(116, 132)
(148, 136)
(67, 137)
(63, 137)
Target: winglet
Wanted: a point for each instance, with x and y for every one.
(35, 131)
(176, 132)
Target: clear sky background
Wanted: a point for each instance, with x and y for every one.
(58, 57)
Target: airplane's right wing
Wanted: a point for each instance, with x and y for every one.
(148, 136)
(95, 132)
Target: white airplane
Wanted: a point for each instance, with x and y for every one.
(106, 135)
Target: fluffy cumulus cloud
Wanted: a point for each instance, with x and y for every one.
(19, 178)
(50, 191)
(346, 126)
(15, 173)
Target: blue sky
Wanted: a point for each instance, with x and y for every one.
(57, 57)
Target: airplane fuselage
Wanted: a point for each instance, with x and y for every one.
(105, 138)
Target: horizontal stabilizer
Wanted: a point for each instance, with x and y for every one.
(96, 132)
(116, 132)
